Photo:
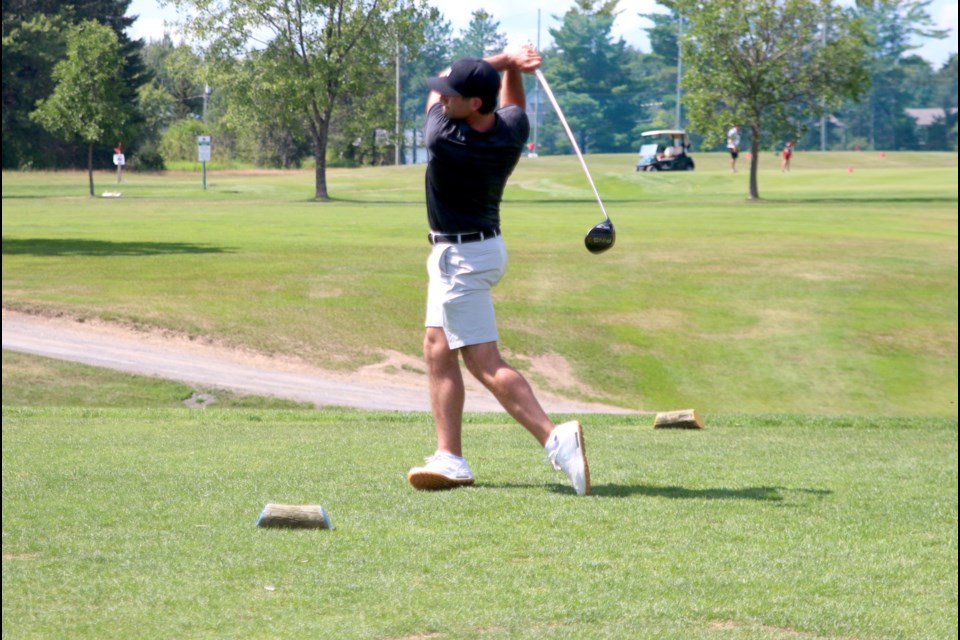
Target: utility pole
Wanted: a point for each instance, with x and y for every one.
(397, 132)
(206, 96)
(679, 68)
(823, 118)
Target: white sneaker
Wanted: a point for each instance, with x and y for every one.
(568, 453)
(441, 471)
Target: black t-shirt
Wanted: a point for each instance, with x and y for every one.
(467, 170)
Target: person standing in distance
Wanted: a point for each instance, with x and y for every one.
(786, 156)
(473, 147)
(733, 145)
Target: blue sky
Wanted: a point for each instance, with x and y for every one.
(518, 19)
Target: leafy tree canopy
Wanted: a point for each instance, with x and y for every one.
(87, 102)
(482, 37)
(34, 40)
(768, 66)
(590, 72)
(299, 58)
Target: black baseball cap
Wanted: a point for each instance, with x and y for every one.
(468, 78)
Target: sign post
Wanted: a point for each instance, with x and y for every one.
(203, 154)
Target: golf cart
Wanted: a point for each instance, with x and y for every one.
(665, 150)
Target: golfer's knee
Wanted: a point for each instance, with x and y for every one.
(435, 346)
(488, 368)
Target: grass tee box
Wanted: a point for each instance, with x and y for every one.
(139, 523)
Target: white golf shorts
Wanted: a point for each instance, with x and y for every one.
(458, 297)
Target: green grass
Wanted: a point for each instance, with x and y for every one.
(836, 294)
(127, 515)
(140, 523)
(33, 381)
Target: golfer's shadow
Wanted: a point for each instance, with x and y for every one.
(761, 494)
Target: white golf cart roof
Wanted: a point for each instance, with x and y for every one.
(665, 132)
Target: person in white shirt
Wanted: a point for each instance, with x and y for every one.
(733, 145)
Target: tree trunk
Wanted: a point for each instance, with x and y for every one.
(754, 161)
(320, 174)
(90, 166)
(320, 132)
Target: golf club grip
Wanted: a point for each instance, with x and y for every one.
(573, 140)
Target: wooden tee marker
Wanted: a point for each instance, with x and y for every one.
(294, 516)
(684, 419)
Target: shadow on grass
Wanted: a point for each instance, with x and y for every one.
(860, 200)
(375, 200)
(521, 200)
(762, 494)
(73, 247)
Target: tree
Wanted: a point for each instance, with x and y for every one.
(87, 102)
(591, 74)
(945, 96)
(176, 92)
(768, 66)
(309, 54)
(361, 134)
(421, 63)
(179, 141)
(179, 71)
(899, 79)
(31, 47)
(33, 42)
(890, 26)
(482, 37)
(660, 70)
(156, 107)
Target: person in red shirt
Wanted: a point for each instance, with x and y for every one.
(786, 155)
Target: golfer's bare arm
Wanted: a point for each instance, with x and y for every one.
(513, 64)
(433, 97)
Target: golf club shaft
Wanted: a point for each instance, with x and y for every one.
(573, 140)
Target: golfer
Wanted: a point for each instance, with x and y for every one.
(473, 148)
(733, 146)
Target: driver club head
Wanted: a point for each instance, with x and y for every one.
(601, 237)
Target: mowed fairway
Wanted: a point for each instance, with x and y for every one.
(836, 294)
(815, 331)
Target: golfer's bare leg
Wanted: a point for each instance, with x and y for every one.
(509, 387)
(446, 390)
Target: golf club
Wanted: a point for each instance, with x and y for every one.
(602, 236)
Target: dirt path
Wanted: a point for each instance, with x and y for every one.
(393, 385)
